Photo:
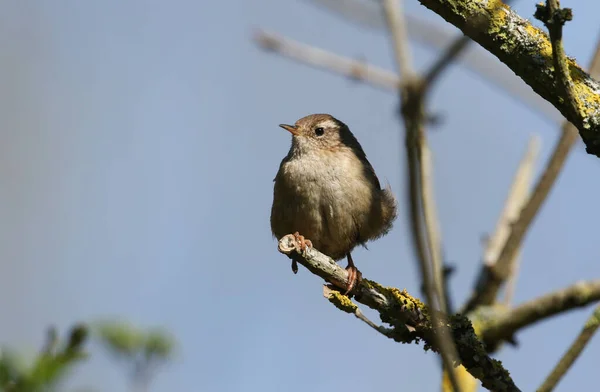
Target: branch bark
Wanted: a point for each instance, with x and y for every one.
(509, 322)
(409, 317)
(493, 276)
(423, 215)
(527, 51)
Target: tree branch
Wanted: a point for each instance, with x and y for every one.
(359, 70)
(554, 18)
(409, 318)
(508, 323)
(493, 276)
(517, 197)
(394, 17)
(423, 213)
(527, 51)
(565, 363)
(319, 58)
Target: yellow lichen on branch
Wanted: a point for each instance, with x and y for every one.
(408, 317)
(527, 51)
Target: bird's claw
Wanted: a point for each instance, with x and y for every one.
(354, 277)
(302, 243)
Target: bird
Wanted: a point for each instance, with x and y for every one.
(327, 194)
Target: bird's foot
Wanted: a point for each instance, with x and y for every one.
(302, 242)
(354, 277)
(301, 245)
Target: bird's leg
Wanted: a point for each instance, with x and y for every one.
(302, 243)
(354, 275)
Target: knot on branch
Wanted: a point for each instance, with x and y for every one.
(267, 41)
(552, 18)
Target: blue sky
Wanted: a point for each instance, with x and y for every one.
(139, 145)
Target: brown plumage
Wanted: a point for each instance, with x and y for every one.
(327, 191)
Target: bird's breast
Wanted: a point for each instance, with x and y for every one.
(333, 186)
(333, 174)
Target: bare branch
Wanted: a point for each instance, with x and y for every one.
(509, 322)
(394, 17)
(517, 196)
(511, 282)
(431, 221)
(448, 57)
(565, 363)
(521, 188)
(409, 318)
(354, 69)
(493, 276)
(431, 267)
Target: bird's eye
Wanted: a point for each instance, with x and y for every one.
(319, 131)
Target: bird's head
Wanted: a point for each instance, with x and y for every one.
(319, 132)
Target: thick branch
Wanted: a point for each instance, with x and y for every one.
(408, 316)
(494, 275)
(508, 323)
(527, 51)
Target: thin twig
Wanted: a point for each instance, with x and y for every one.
(448, 57)
(410, 319)
(554, 18)
(431, 221)
(518, 194)
(565, 363)
(495, 275)
(511, 282)
(525, 176)
(447, 271)
(431, 268)
(525, 315)
(492, 277)
(394, 17)
(354, 69)
(330, 293)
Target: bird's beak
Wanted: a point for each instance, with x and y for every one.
(290, 128)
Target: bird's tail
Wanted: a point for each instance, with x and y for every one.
(389, 208)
